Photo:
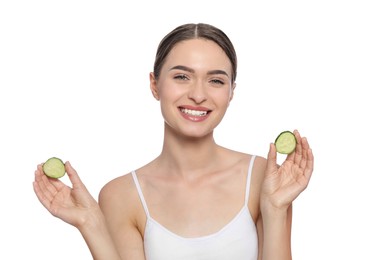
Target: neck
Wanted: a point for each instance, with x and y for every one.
(185, 155)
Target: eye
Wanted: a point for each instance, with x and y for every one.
(181, 77)
(217, 82)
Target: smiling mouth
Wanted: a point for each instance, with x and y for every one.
(192, 112)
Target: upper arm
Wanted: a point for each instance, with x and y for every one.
(120, 213)
(260, 168)
(260, 235)
(256, 184)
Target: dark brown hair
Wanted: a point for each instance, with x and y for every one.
(194, 31)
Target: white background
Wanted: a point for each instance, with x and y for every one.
(74, 84)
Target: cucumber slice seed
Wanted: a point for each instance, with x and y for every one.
(54, 168)
(285, 142)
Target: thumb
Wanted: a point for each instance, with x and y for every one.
(271, 158)
(73, 176)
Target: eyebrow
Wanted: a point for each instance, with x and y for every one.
(211, 72)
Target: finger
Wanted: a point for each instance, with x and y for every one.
(43, 195)
(41, 179)
(271, 158)
(73, 176)
(51, 185)
(305, 149)
(309, 164)
(296, 156)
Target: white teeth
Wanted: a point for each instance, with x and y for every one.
(193, 112)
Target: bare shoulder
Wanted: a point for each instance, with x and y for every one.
(259, 163)
(259, 166)
(258, 170)
(119, 199)
(116, 188)
(120, 204)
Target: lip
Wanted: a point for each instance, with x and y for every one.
(194, 118)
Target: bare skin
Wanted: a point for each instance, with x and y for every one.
(193, 179)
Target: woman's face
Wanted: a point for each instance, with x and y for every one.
(194, 87)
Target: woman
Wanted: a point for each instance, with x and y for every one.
(196, 200)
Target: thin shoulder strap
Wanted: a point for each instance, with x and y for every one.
(140, 194)
(248, 179)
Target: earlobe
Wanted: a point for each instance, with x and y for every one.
(153, 86)
(232, 91)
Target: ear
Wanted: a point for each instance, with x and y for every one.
(232, 91)
(153, 85)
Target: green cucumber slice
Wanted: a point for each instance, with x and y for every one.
(285, 142)
(54, 168)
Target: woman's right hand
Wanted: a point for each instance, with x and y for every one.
(74, 205)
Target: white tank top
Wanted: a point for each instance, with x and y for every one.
(236, 241)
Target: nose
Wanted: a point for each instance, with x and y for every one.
(198, 92)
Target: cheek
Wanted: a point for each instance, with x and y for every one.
(223, 97)
(170, 95)
(168, 90)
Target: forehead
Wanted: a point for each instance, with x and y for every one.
(199, 52)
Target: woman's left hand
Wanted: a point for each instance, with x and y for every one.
(282, 184)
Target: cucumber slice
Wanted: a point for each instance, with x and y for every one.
(54, 168)
(285, 142)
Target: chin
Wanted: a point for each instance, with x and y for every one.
(197, 134)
